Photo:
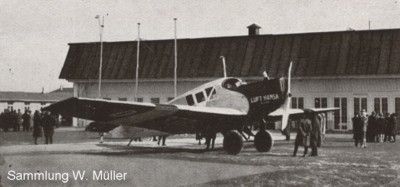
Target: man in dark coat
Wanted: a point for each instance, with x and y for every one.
(357, 130)
(25, 121)
(303, 135)
(37, 126)
(315, 132)
(387, 119)
(392, 128)
(371, 130)
(48, 127)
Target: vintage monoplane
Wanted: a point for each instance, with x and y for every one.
(226, 105)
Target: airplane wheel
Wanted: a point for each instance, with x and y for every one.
(263, 141)
(233, 142)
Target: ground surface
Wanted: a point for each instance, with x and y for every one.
(182, 162)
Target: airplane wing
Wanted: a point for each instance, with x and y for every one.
(279, 112)
(162, 117)
(296, 113)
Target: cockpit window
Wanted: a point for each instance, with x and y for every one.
(200, 97)
(189, 100)
(232, 83)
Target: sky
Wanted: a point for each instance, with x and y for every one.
(34, 34)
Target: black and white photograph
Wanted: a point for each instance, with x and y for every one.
(199, 93)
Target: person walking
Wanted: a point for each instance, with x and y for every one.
(37, 126)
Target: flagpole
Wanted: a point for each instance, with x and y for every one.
(176, 62)
(101, 27)
(137, 64)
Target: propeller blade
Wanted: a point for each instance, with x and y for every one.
(286, 105)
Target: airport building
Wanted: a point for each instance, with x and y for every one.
(32, 100)
(351, 70)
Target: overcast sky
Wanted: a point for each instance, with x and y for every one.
(34, 34)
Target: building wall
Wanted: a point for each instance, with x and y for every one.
(308, 89)
(21, 105)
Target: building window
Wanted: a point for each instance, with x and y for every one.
(27, 106)
(189, 100)
(359, 104)
(155, 100)
(340, 118)
(122, 99)
(397, 105)
(139, 99)
(381, 105)
(321, 102)
(43, 103)
(10, 105)
(298, 102)
(107, 98)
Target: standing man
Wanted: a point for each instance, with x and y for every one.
(48, 127)
(25, 123)
(315, 132)
(364, 122)
(392, 128)
(19, 120)
(357, 130)
(303, 135)
(37, 126)
(371, 129)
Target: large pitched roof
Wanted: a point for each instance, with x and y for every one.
(348, 53)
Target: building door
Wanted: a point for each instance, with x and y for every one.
(340, 118)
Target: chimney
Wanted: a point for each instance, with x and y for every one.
(254, 29)
(61, 87)
(42, 90)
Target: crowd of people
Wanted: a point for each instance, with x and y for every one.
(40, 123)
(12, 119)
(374, 128)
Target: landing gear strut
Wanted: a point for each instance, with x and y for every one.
(233, 142)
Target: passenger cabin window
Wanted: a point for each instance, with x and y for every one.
(210, 92)
(189, 100)
(155, 100)
(200, 97)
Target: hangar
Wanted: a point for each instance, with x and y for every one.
(351, 70)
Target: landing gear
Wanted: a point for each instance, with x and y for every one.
(263, 141)
(233, 142)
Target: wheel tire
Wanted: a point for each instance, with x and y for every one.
(263, 141)
(233, 142)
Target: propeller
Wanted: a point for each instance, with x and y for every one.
(286, 105)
